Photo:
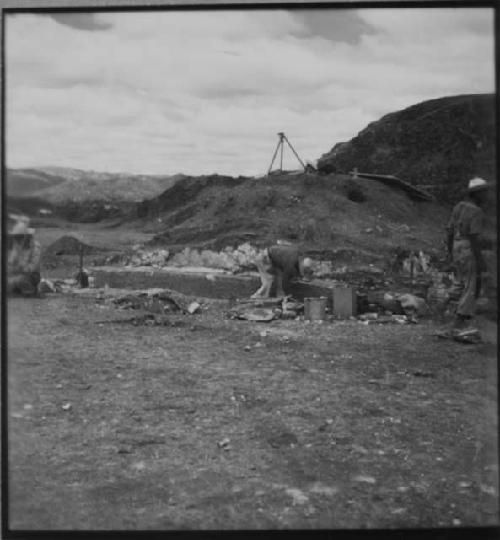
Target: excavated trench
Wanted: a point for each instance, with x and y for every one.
(202, 282)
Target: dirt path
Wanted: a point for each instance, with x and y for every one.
(333, 425)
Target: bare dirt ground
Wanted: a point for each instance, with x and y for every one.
(335, 425)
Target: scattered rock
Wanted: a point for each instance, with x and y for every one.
(46, 286)
(489, 490)
(282, 439)
(66, 407)
(299, 497)
(423, 374)
(224, 444)
(472, 336)
(324, 426)
(398, 511)
(365, 479)
(256, 314)
(321, 489)
(410, 302)
(368, 316)
(193, 307)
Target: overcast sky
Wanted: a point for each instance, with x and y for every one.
(163, 92)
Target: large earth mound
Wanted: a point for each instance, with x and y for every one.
(439, 143)
(360, 217)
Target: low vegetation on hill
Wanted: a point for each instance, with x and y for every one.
(439, 143)
(320, 211)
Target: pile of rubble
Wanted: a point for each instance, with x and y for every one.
(146, 319)
(141, 257)
(437, 293)
(266, 310)
(231, 259)
(387, 308)
(159, 301)
(137, 257)
(60, 285)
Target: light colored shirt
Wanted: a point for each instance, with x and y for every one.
(466, 219)
(24, 259)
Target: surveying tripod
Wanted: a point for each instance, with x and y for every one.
(281, 143)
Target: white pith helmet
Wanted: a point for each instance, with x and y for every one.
(477, 184)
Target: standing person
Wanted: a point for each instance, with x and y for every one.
(23, 260)
(278, 264)
(464, 232)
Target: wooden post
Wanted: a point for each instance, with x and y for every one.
(83, 278)
(412, 270)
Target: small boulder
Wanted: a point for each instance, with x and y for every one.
(46, 286)
(410, 302)
(193, 307)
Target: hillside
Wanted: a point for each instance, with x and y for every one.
(439, 143)
(27, 182)
(56, 185)
(321, 212)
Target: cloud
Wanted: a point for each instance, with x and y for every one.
(81, 21)
(332, 24)
(197, 92)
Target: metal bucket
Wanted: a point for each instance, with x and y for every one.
(315, 308)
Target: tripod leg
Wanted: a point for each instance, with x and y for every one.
(293, 150)
(281, 157)
(274, 156)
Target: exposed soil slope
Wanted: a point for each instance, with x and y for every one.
(441, 142)
(322, 212)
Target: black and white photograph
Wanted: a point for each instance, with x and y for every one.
(249, 267)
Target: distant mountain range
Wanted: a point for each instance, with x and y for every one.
(57, 185)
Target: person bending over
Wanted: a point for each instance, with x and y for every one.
(278, 264)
